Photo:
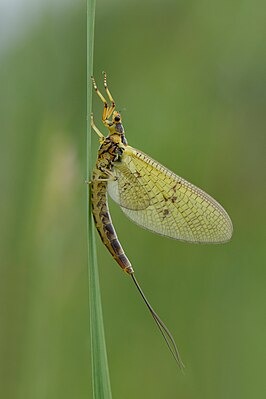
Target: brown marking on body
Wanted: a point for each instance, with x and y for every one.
(110, 233)
(116, 247)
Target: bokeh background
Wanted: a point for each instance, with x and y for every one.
(189, 78)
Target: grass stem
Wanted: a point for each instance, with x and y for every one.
(100, 372)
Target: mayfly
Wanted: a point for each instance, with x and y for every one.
(150, 195)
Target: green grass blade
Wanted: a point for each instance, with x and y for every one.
(100, 373)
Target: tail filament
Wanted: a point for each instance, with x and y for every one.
(170, 342)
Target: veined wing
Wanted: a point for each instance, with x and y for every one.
(127, 190)
(160, 201)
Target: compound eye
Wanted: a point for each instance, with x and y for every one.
(117, 118)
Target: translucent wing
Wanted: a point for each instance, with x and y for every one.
(126, 190)
(160, 201)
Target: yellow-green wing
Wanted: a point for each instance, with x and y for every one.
(126, 189)
(160, 201)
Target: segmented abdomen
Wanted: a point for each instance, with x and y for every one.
(104, 225)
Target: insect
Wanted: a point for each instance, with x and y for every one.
(150, 195)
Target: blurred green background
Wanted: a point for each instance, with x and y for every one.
(189, 78)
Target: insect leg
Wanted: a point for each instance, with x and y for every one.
(101, 136)
(98, 92)
(107, 111)
(112, 108)
(110, 176)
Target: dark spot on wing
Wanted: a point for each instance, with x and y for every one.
(175, 186)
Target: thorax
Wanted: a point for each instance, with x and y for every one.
(110, 151)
